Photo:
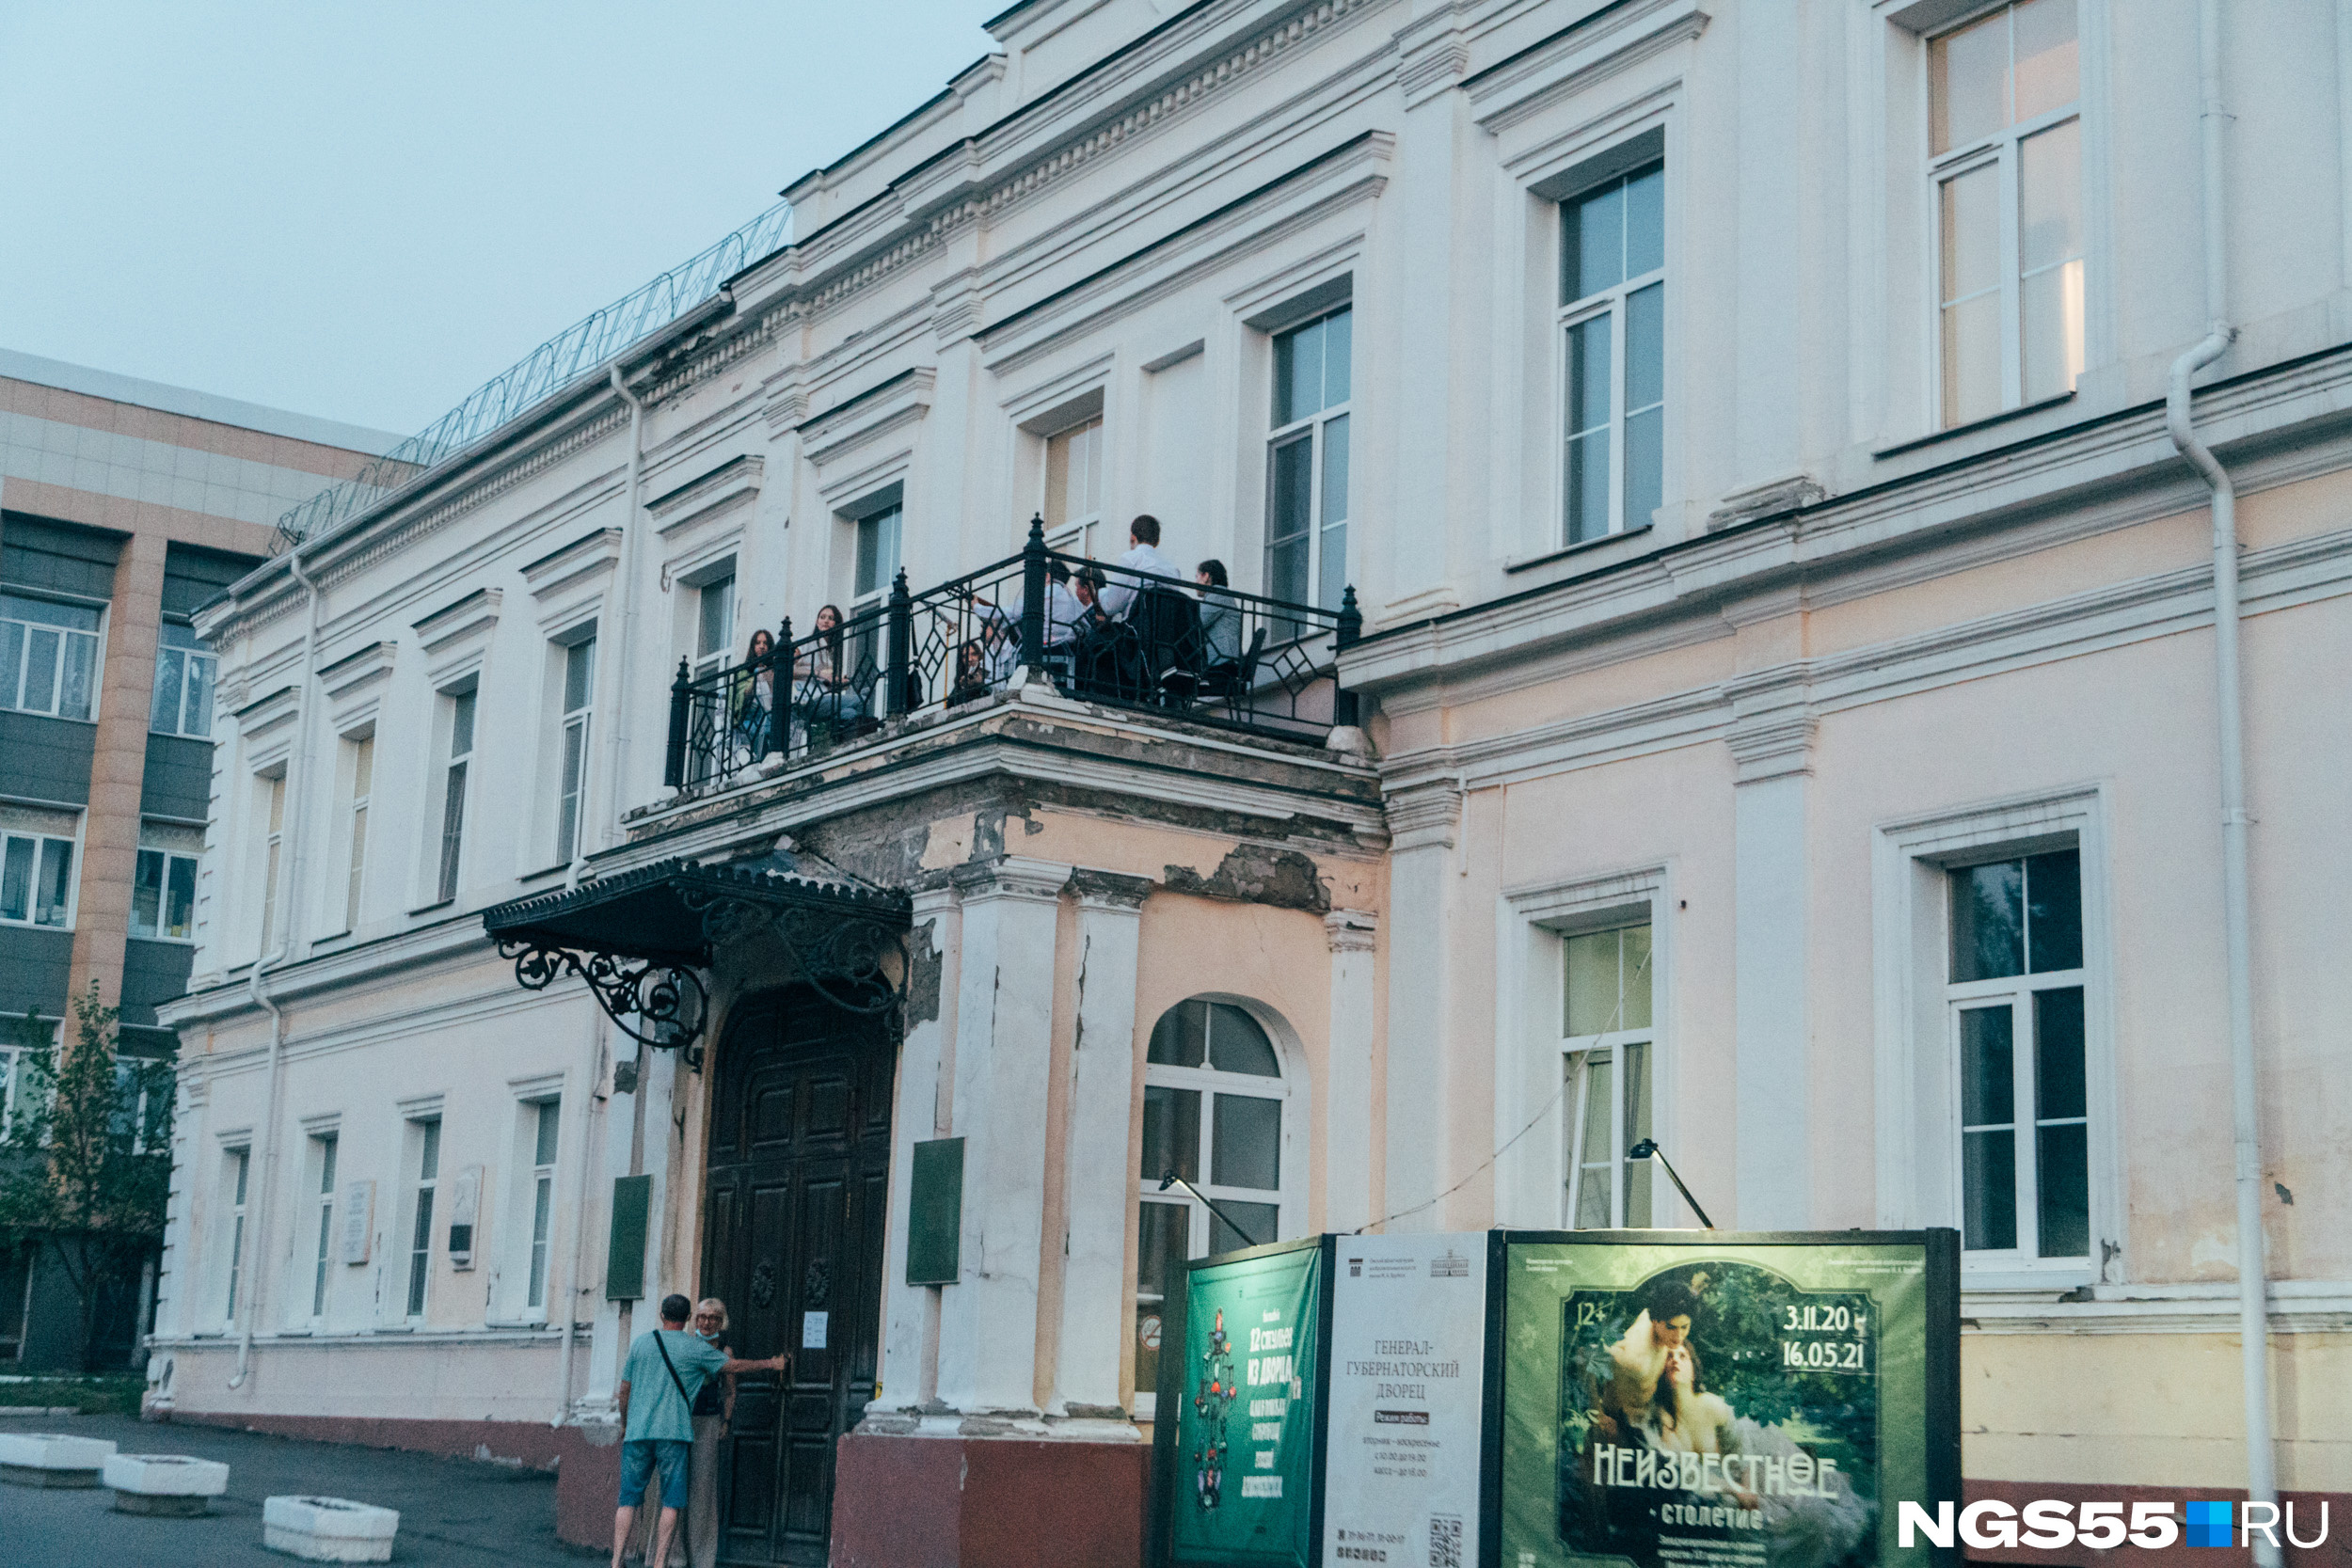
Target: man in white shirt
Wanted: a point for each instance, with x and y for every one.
(1143, 555)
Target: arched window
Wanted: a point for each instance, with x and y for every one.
(1214, 1105)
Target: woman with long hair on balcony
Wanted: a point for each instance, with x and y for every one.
(754, 708)
(822, 682)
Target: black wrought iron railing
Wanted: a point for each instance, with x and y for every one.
(1101, 632)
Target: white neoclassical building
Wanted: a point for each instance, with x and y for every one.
(1721, 643)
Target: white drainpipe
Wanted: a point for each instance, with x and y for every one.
(2262, 1474)
(298, 784)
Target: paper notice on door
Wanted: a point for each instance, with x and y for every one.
(813, 1330)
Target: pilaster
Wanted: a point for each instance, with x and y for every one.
(1002, 1059)
(1098, 1158)
(1423, 822)
(1348, 1123)
(1772, 749)
(909, 1377)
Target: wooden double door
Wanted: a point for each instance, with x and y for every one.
(794, 1207)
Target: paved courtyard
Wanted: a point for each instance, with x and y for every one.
(451, 1510)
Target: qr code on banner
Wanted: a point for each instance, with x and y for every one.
(1445, 1541)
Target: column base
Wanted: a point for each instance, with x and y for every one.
(912, 1501)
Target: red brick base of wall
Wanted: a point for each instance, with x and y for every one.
(990, 1502)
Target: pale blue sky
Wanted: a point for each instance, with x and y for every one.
(363, 210)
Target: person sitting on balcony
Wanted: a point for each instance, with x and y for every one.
(1066, 614)
(1095, 637)
(1220, 621)
(755, 697)
(1143, 555)
(822, 681)
(972, 676)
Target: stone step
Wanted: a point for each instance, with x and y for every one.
(51, 1459)
(329, 1530)
(171, 1484)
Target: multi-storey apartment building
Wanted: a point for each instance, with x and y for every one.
(123, 506)
(1781, 711)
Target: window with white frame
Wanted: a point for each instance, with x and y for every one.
(184, 668)
(49, 655)
(877, 563)
(546, 1119)
(714, 624)
(2015, 997)
(1306, 497)
(163, 881)
(1213, 1099)
(580, 684)
(457, 766)
(1612, 353)
(1071, 505)
(425, 1137)
(273, 848)
(321, 1168)
(1609, 1050)
(36, 868)
(240, 1163)
(2005, 147)
(362, 750)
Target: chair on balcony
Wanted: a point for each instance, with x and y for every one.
(1168, 644)
(1230, 680)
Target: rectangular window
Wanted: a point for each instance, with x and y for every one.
(362, 789)
(240, 1162)
(714, 626)
(579, 678)
(1306, 528)
(1073, 487)
(421, 1236)
(1608, 1043)
(184, 668)
(48, 656)
(461, 711)
(1612, 337)
(2015, 996)
(273, 842)
(877, 557)
(322, 1160)
(547, 1122)
(163, 896)
(36, 879)
(2005, 132)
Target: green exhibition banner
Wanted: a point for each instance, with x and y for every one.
(1244, 1450)
(1709, 1400)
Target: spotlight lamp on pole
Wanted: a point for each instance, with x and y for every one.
(1169, 1179)
(1647, 1149)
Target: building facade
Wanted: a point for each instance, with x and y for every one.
(1726, 655)
(124, 506)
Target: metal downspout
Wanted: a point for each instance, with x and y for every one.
(2262, 1476)
(297, 783)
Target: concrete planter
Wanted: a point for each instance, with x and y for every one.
(51, 1459)
(329, 1530)
(170, 1484)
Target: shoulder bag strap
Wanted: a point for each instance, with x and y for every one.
(676, 1382)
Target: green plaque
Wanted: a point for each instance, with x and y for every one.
(1697, 1400)
(1246, 1409)
(625, 1257)
(935, 1213)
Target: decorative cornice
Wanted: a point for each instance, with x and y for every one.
(471, 616)
(1793, 493)
(1011, 876)
(266, 715)
(1351, 930)
(905, 396)
(358, 676)
(736, 478)
(1109, 890)
(1423, 816)
(582, 558)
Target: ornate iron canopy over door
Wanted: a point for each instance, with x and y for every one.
(642, 940)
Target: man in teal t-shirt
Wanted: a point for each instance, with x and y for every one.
(666, 1367)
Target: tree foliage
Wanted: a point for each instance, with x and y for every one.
(86, 1156)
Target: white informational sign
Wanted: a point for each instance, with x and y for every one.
(358, 1218)
(1409, 1353)
(465, 1213)
(813, 1330)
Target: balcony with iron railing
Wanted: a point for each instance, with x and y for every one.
(1174, 652)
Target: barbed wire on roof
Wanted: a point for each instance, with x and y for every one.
(579, 350)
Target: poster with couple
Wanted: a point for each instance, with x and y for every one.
(1713, 1401)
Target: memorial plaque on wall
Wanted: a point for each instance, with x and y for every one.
(1712, 1400)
